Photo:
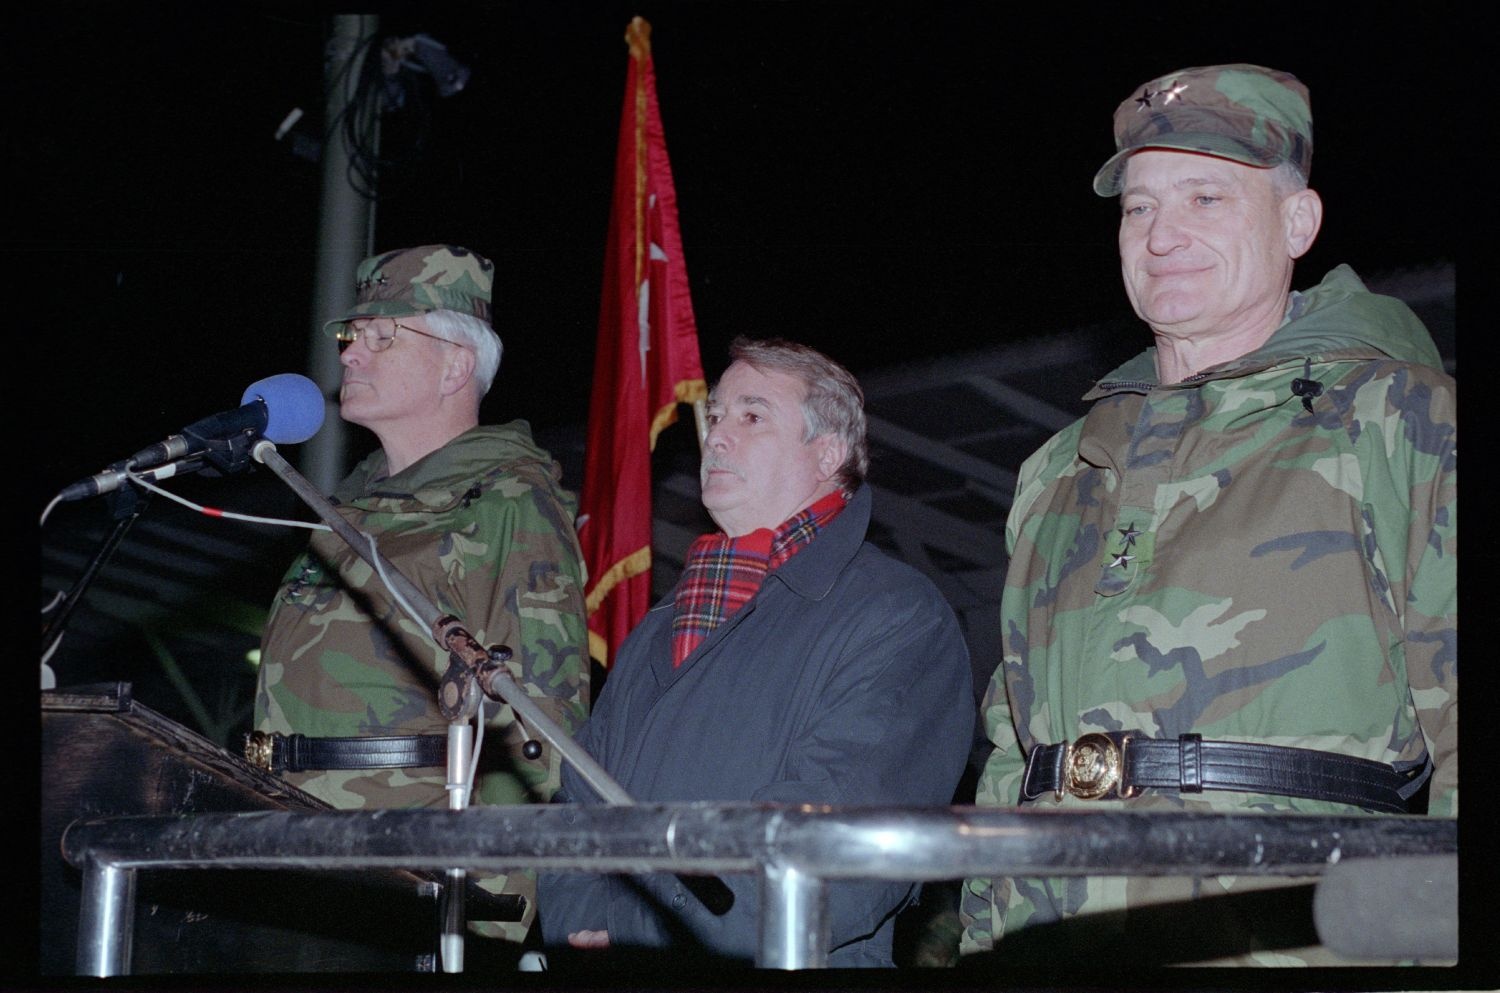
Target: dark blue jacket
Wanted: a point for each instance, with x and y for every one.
(844, 681)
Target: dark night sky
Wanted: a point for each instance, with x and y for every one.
(887, 182)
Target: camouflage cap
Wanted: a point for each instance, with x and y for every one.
(1244, 113)
(411, 281)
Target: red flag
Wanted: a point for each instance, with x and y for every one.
(646, 363)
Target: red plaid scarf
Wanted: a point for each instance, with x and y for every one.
(722, 573)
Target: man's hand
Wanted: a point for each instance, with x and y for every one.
(589, 939)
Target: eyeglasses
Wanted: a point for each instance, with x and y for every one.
(379, 333)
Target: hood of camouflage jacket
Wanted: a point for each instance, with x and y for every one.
(440, 479)
(1337, 319)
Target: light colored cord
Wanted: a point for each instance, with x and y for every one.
(55, 501)
(216, 512)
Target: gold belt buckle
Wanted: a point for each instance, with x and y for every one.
(1092, 767)
(258, 750)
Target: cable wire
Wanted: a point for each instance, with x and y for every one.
(388, 103)
(216, 512)
(47, 512)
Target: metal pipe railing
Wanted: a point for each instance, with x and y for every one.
(795, 849)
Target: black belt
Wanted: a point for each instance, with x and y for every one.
(277, 752)
(1119, 764)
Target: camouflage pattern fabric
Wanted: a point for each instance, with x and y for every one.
(1244, 113)
(1212, 557)
(412, 281)
(482, 527)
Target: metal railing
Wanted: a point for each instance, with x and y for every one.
(795, 850)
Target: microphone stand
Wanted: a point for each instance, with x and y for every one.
(229, 455)
(471, 669)
(127, 506)
(469, 663)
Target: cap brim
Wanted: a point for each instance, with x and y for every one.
(376, 308)
(1220, 146)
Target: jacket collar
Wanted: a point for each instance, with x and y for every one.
(440, 477)
(812, 576)
(1337, 319)
(809, 574)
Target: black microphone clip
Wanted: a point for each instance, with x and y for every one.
(225, 439)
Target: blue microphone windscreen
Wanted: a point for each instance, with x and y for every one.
(294, 407)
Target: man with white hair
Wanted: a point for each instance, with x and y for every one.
(346, 707)
(1232, 585)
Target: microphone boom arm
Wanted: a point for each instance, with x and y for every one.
(470, 662)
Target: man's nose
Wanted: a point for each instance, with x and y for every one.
(717, 437)
(1167, 233)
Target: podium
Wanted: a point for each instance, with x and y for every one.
(103, 754)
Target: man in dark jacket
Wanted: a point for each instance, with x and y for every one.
(794, 663)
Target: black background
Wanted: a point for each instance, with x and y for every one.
(886, 182)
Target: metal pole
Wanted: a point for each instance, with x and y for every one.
(451, 902)
(793, 919)
(823, 843)
(106, 923)
(926, 843)
(346, 228)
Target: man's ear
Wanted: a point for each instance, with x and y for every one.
(832, 451)
(457, 371)
(1302, 216)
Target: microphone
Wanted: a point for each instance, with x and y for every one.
(112, 479)
(285, 409)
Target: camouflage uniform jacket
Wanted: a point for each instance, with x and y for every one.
(1213, 556)
(482, 527)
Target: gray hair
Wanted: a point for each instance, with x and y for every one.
(834, 402)
(469, 330)
(1287, 179)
